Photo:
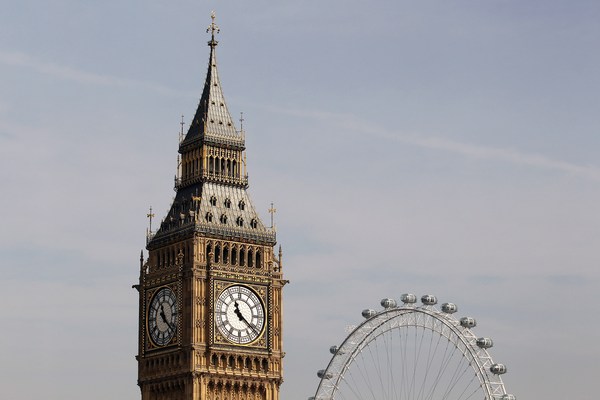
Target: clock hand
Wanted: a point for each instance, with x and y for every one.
(239, 313)
(242, 318)
(163, 315)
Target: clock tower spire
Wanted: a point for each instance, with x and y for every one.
(211, 288)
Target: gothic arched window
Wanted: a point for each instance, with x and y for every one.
(250, 259)
(225, 254)
(258, 259)
(208, 251)
(234, 253)
(242, 256)
(217, 253)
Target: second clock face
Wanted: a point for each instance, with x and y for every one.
(239, 314)
(162, 316)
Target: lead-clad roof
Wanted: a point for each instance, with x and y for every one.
(212, 119)
(232, 203)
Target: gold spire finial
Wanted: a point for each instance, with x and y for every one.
(212, 28)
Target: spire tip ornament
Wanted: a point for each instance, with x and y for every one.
(212, 28)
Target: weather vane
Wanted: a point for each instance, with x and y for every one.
(212, 28)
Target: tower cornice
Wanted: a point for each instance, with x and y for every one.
(244, 235)
(215, 140)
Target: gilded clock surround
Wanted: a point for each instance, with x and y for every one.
(170, 316)
(261, 292)
(211, 238)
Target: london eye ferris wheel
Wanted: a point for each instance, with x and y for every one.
(412, 352)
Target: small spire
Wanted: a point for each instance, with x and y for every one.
(280, 258)
(212, 118)
(181, 132)
(150, 215)
(272, 211)
(212, 28)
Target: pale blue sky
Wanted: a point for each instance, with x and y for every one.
(444, 147)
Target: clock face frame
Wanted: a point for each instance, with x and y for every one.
(239, 315)
(162, 317)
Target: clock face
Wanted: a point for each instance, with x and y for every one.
(162, 316)
(239, 314)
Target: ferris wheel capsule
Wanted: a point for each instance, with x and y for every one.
(498, 369)
(428, 299)
(388, 303)
(468, 322)
(368, 313)
(508, 397)
(333, 349)
(484, 343)
(324, 375)
(449, 308)
(408, 298)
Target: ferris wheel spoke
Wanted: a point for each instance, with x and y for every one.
(414, 364)
(351, 383)
(473, 385)
(374, 353)
(403, 363)
(433, 351)
(365, 375)
(390, 366)
(454, 380)
(442, 366)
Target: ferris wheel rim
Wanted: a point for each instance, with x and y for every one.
(478, 357)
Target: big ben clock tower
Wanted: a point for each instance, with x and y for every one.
(210, 311)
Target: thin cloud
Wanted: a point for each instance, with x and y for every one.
(508, 155)
(78, 75)
(351, 122)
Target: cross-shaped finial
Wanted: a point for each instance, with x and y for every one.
(150, 215)
(212, 28)
(272, 211)
(181, 132)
